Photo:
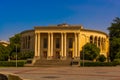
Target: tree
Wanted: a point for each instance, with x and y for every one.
(117, 56)
(14, 43)
(3, 53)
(114, 33)
(90, 51)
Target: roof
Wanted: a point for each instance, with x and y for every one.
(60, 26)
(95, 31)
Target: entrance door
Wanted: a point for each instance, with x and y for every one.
(57, 55)
(45, 54)
(70, 54)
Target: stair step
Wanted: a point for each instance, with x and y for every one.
(52, 62)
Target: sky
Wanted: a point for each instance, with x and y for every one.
(19, 15)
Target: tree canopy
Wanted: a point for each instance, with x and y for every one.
(114, 33)
(3, 53)
(90, 51)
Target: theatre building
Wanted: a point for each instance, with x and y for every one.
(61, 42)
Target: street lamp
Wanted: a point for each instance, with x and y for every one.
(83, 48)
(16, 55)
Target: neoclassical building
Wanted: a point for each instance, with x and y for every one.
(62, 41)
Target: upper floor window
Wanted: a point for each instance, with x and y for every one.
(57, 42)
(70, 42)
(45, 43)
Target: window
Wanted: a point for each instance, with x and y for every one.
(91, 39)
(70, 42)
(45, 43)
(28, 42)
(57, 42)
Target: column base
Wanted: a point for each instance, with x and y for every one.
(63, 58)
(49, 58)
(35, 59)
(76, 58)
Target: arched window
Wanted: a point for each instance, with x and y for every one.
(91, 39)
(102, 44)
(99, 42)
(95, 40)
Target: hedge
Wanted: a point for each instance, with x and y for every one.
(11, 63)
(94, 64)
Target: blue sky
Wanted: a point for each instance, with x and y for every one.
(20, 15)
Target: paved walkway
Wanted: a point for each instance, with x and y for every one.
(66, 73)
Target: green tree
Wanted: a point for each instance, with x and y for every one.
(114, 33)
(3, 53)
(90, 51)
(117, 56)
(14, 43)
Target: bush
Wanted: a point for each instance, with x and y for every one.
(102, 58)
(11, 63)
(93, 64)
(22, 55)
(26, 55)
(117, 61)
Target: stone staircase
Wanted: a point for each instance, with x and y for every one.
(52, 63)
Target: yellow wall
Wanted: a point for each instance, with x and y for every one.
(84, 36)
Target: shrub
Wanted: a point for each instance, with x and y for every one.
(116, 61)
(11, 63)
(26, 55)
(93, 64)
(102, 58)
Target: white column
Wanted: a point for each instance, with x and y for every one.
(62, 45)
(78, 45)
(65, 34)
(36, 46)
(52, 45)
(75, 46)
(49, 53)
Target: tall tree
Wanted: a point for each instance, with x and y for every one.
(3, 53)
(14, 43)
(114, 33)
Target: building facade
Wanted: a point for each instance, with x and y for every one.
(4, 43)
(62, 41)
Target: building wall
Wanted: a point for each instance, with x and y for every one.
(27, 41)
(33, 40)
(99, 38)
(4, 43)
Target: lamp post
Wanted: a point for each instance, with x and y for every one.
(83, 48)
(83, 56)
(16, 55)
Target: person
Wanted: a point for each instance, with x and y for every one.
(72, 61)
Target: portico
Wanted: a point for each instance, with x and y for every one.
(57, 45)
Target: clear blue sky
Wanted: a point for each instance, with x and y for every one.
(19, 15)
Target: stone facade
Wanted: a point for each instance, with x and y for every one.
(62, 41)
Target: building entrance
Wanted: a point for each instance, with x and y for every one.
(70, 54)
(57, 55)
(44, 54)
